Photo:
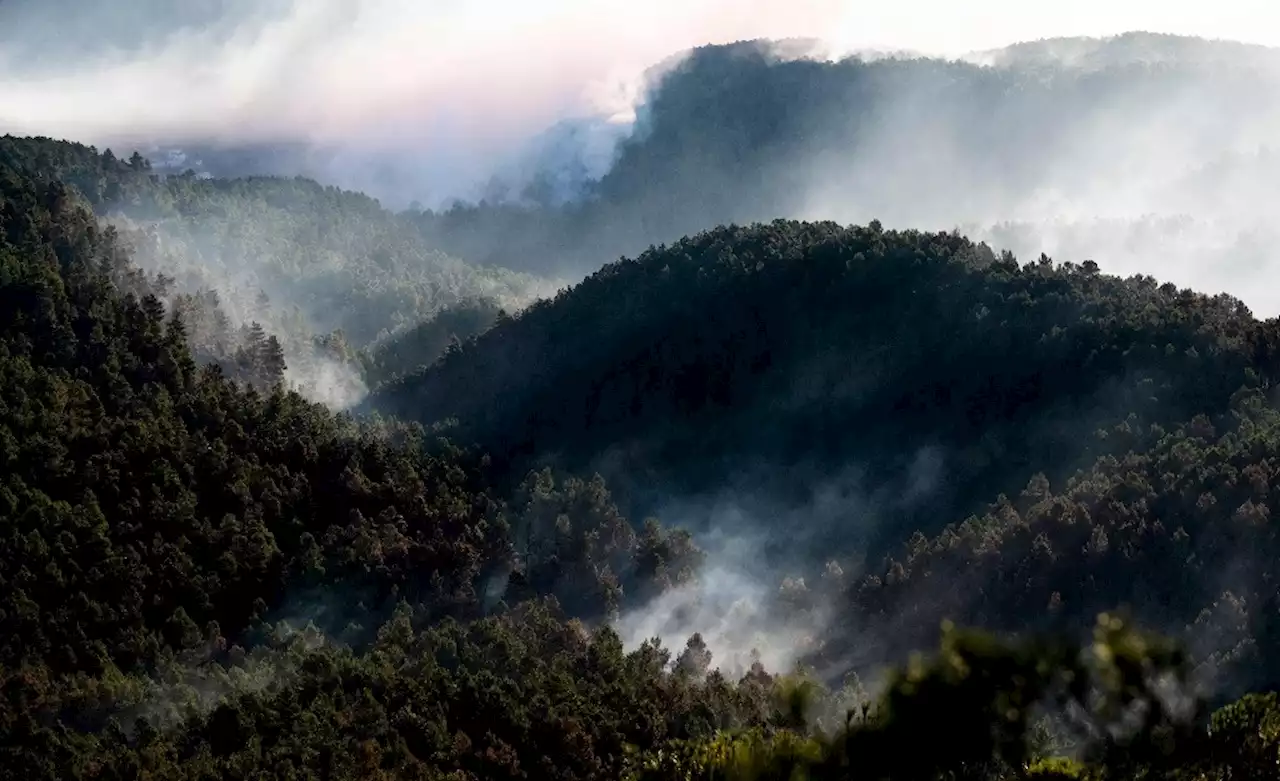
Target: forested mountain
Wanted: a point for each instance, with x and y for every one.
(300, 260)
(776, 359)
(202, 580)
(1134, 430)
(150, 509)
(691, 517)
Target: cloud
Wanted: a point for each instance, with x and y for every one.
(452, 87)
(428, 99)
(440, 79)
(742, 614)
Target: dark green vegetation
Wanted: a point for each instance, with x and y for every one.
(424, 343)
(205, 576)
(789, 352)
(206, 579)
(327, 272)
(150, 508)
(1131, 423)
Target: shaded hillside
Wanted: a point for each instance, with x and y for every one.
(420, 346)
(338, 256)
(139, 489)
(204, 580)
(299, 259)
(917, 372)
(737, 134)
(1180, 531)
(154, 516)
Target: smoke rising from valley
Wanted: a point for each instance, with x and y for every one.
(1147, 154)
(765, 592)
(423, 103)
(741, 614)
(435, 91)
(427, 101)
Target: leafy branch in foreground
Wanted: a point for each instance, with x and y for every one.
(981, 707)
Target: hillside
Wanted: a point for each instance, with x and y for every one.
(916, 375)
(695, 517)
(302, 260)
(172, 544)
(202, 579)
(423, 344)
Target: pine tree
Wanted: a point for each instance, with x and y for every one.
(271, 363)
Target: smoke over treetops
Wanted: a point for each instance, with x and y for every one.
(585, 531)
(439, 96)
(442, 87)
(1110, 149)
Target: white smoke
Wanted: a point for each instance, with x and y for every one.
(733, 604)
(444, 93)
(445, 88)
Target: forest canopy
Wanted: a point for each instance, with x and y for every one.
(329, 273)
(771, 500)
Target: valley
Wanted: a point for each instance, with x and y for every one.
(788, 446)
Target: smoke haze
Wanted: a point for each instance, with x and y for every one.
(767, 596)
(427, 100)
(437, 101)
(432, 101)
(742, 615)
(442, 87)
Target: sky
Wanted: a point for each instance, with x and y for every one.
(475, 74)
(942, 27)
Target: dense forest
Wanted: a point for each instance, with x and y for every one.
(727, 357)
(725, 360)
(203, 576)
(329, 273)
(293, 485)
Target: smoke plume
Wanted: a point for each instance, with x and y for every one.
(427, 100)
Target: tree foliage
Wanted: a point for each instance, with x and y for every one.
(790, 352)
(209, 578)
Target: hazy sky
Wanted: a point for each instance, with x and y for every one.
(943, 26)
(483, 70)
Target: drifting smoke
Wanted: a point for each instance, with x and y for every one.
(1154, 156)
(336, 385)
(741, 616)
(437, 101)
(200, 269)
(434, 92)
(759, 595)
(428, 100)
(1147, 154)
(193, 685)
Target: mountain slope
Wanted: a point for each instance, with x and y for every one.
(778, 359)
(201, 580)
(1180, 532)
(154, 517)
(300, 259)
